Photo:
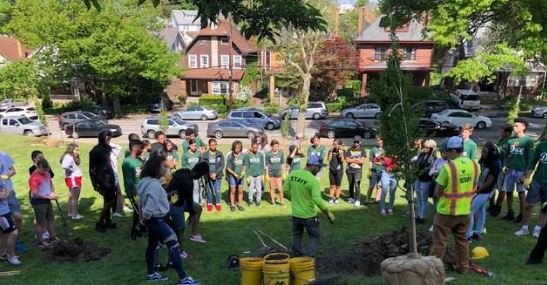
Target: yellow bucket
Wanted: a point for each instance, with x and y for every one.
(251, 270)
(302, 270)
(276, 269)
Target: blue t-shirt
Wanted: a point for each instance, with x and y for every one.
(4, 207)
(6, 162)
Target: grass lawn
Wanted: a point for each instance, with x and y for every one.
(230, 233)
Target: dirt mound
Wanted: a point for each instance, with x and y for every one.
(76, 250)
(372, 252)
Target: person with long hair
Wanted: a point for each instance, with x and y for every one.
(216, 166)
(276, 168)
(376, 169)
(425, 161)
(254, 161)
(70, 162)
(154, 207)
(172, 155)
(490, 170)
(235, 169)
(355, 157)
(336, 160)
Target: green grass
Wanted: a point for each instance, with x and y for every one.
(231, 233)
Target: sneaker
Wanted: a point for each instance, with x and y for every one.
(209, 207)
(475, 236)
(249, 204)
(233, 208)
(258, 203)
(357, 204)
(430, 229)
(197, 238)
(537, 231)
(331, 201)
(156, 277)
(522, 232)
(336, 201)
(390, 212)
(351, 201)
(518, 220)
(483, 231)
(218, 207)
(188, 281)
(183, 254)
(509, 217)
(383, 213)
(239, 207)
(117, 215)
(78, 217)
(14, 260)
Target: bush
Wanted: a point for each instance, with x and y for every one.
(419, 93)
(271, 110)
(212, 100)
(335, 107)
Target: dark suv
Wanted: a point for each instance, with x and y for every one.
(429, 107)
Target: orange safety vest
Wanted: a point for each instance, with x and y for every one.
(463, 176)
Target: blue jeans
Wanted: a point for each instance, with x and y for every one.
(478, 214)
(314, 235)
(422, 194)
(213, 191)
(159, 231)
(513, 178)
(389, 184)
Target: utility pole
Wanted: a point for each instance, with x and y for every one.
(231, 63)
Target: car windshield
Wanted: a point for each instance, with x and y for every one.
(90, 115)
(178, 121)
(100, 124)
(445, 112)
(25, 121)
(470, 97)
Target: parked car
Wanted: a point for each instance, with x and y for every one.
(428, 107)
(91, 129)
(233, 128)
(255, 115)
(27, 111)
(467, 97)
(197, 113)
(432, 128)
(10, 103)
(346, 128)
(158, 104)
(367, 110)
(539, 112)
(70, 118)
(177, 127)
(315, 110)
(460, 117)
(22, 125)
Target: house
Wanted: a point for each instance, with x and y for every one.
(185, 20)
(173, 38)
(374, 44)
(12, 50)
(208, 58)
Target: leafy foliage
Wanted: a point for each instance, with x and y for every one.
(19, 80)
(164, 120)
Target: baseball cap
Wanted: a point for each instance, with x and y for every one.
(454, 142)
(314, 160)
(443, 147)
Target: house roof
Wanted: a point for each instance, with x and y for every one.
(185, 17)
(212, 74)
(168, 35)
(413, 32)
(12, 49)
(222, 29)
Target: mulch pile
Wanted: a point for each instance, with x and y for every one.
(372, 252)
(76, 250)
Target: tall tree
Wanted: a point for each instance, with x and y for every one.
(19, 80)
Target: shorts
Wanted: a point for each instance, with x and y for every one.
(73, 182)
(6, 224)
(235, 182)
(335, 177)
(43, 213)
(13, 204)
(537, 193)
(514, 178)
(176, 213)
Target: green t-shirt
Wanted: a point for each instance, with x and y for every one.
(127, 153)
(502, 146)
(305, 194)
(295, 163)
(470, 149)
(131, 170)
(254, 163)
(235, 163)
(540, 158)
(375, 152)
(274, 162)
(319, 151)
(199, 144)
(519, 153)
(190, 159)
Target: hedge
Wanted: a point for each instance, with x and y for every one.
(271, 110)
(212, 100)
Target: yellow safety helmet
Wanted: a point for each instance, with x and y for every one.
(479, 252)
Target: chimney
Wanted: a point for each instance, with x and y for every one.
(360, 20)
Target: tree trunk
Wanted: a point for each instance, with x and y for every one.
(301, 127)
(116, 106)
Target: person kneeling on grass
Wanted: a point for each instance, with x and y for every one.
(7, 227)
(41, 193)
(154, 207)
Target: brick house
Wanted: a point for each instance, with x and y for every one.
(374, 44)
(12, 50)
(206, 62)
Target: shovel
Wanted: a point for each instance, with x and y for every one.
(65, 225)
(266, 249)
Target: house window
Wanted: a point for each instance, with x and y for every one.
(409, 53)
(224, 61)
(192, 61)
(380, 54)
(224, 41)
(204, 60)
(238, 61)
(220, 87)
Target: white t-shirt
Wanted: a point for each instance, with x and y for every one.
(114, 154)
(70, 167)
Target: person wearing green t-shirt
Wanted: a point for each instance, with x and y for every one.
(254, 161)
(191, 135)
(214, 157)
(305, 194)
(295, 154)
(316, 150)
(276, 169)
(519, 152)
(235, 168)
(189, 159)
(131, 137)
(538, 189)
(376, 169)
(469, 146)
(131, 171)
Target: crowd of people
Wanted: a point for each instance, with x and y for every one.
(162, 184)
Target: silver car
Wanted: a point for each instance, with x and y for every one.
(176, 127)
(539, 112)
(22, 125)
(197, 113)
(315, 110)
(256, 116)
(368, 110)
(232, 128)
